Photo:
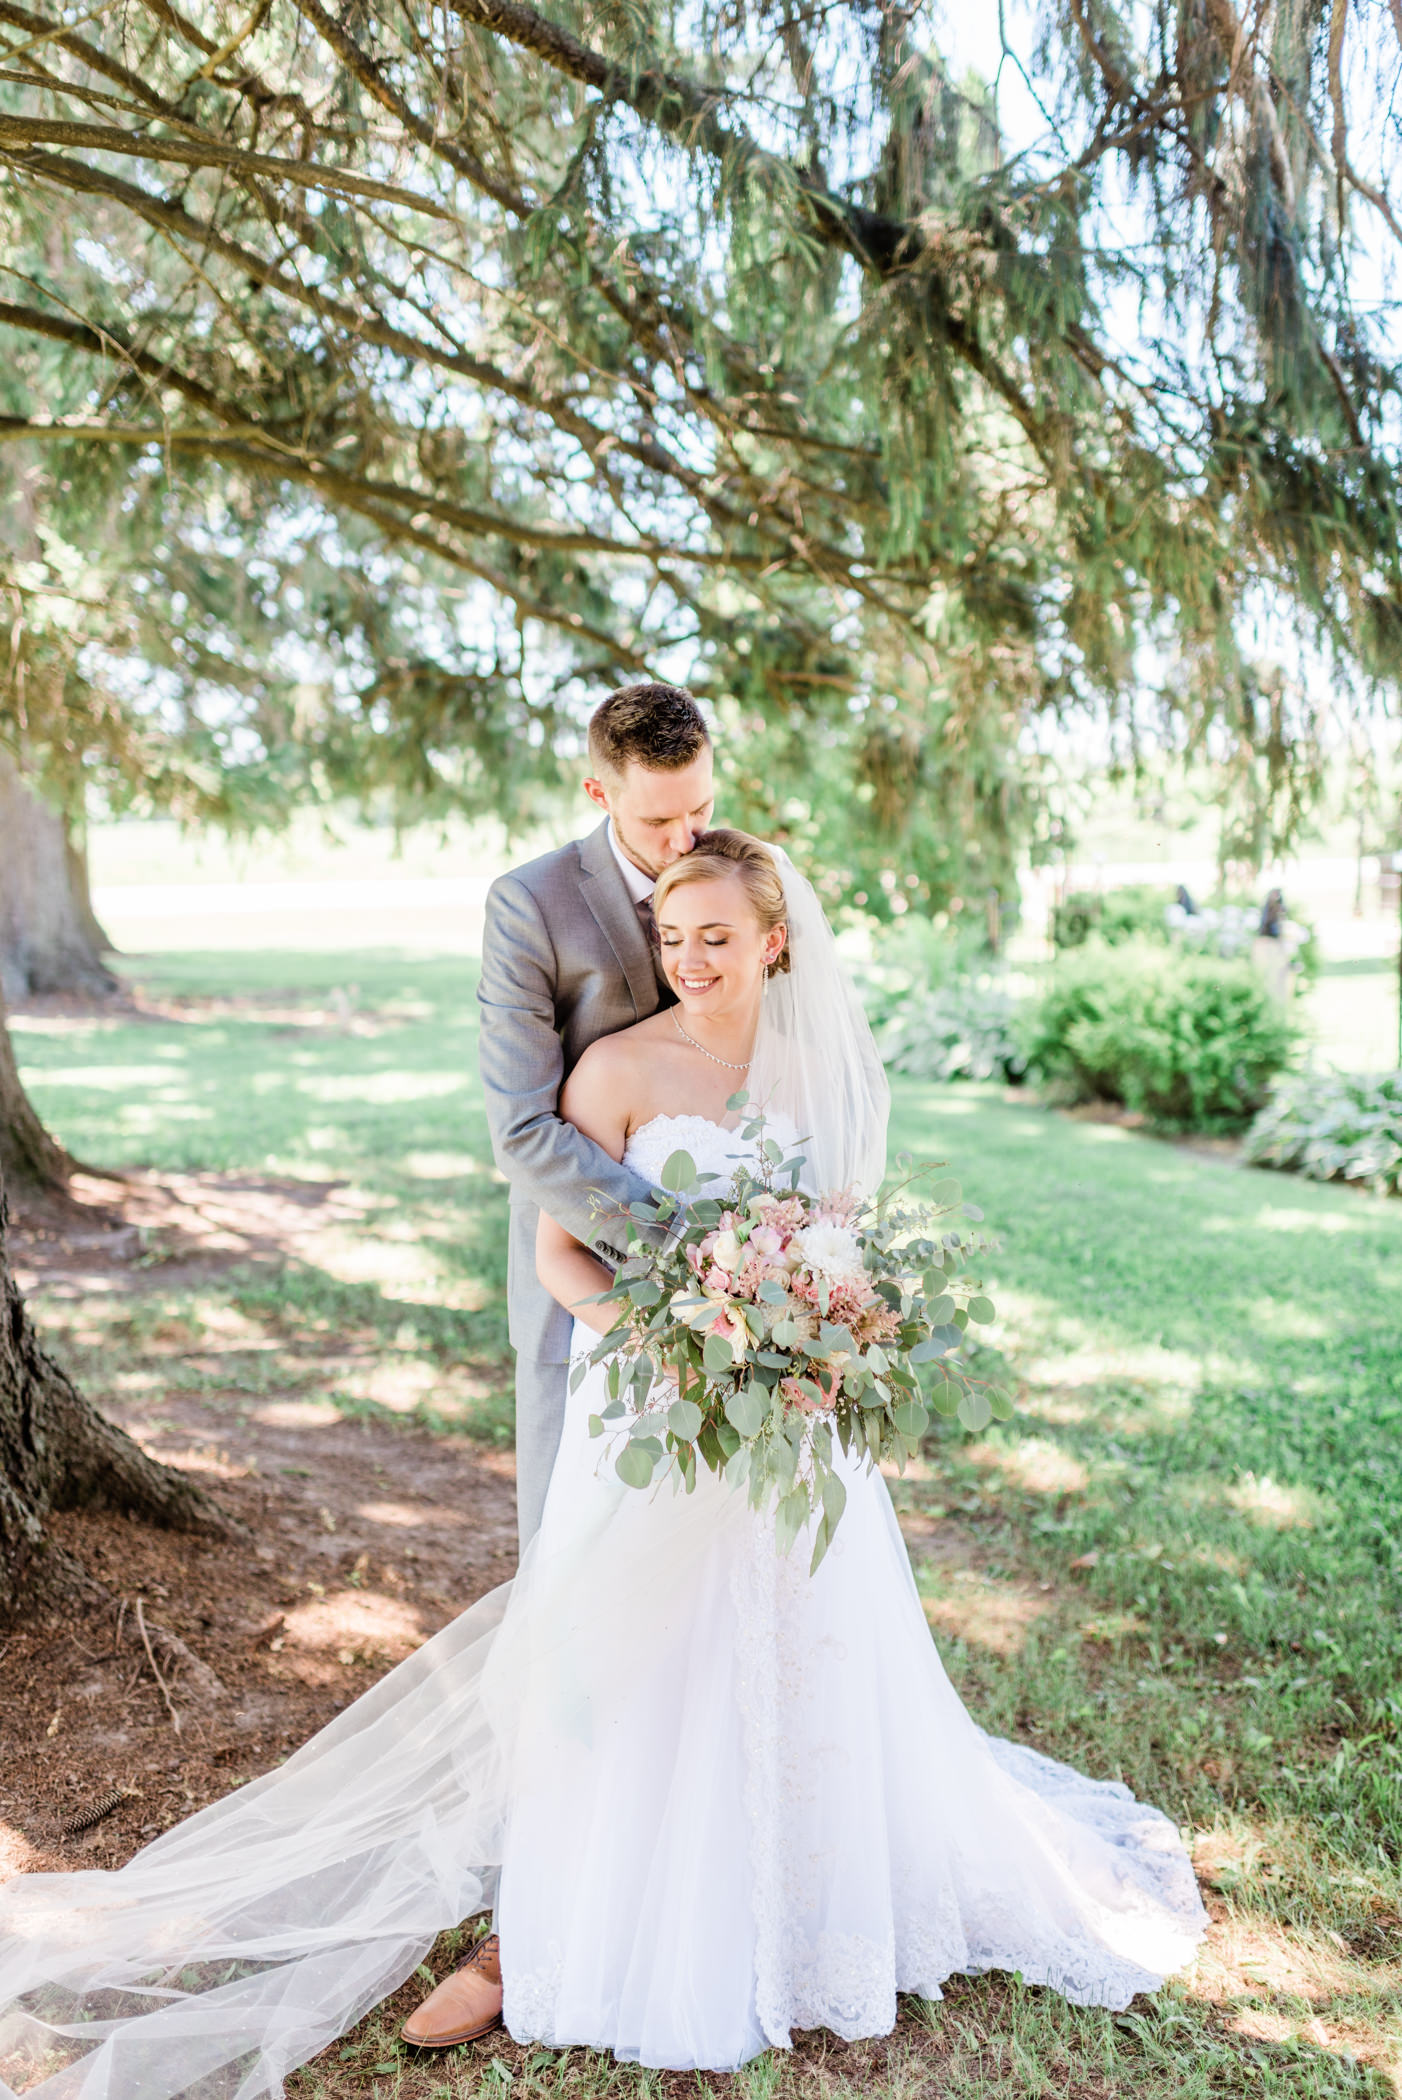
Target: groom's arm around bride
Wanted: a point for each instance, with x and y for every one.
(567, 958)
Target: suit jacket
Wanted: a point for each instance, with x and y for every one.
(564, 961)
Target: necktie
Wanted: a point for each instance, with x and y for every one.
(647, 919)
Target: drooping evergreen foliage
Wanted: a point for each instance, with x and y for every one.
(381, 382)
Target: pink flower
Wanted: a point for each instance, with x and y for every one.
(731, 1328)
(806, 1404)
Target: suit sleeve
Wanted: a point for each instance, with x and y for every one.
(523, 1069)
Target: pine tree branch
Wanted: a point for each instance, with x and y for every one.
(690, 115)
(90, 54)
(346, 490)
(371, 77)
(103, 342)
(19, 134)
(182, 225)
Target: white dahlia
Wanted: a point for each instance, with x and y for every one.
(831, 1250)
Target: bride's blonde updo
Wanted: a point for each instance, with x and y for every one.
(723, 852)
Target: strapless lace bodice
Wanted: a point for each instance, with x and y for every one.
(715, 1149)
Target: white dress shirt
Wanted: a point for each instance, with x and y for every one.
(640, 886)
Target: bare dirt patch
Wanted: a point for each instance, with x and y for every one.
(364, 1536)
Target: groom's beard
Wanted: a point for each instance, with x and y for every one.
(646, 863)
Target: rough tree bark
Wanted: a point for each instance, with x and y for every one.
(29, 1157)
(57, 1452)
(50, 940)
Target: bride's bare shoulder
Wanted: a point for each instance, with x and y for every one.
(613, 1058)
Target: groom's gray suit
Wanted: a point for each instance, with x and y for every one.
(565, 960)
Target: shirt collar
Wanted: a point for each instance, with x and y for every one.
(640, 886)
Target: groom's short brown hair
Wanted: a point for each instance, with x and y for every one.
(658, 726)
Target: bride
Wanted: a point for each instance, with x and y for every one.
(710, 1799)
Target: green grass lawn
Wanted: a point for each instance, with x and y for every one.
(1179, 1565)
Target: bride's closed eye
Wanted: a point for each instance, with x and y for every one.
(673, 940)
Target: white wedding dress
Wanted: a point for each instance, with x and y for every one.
(715, 1800)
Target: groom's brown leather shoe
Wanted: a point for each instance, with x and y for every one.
(466, 2003)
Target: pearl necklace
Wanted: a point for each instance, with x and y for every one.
(728, 1063)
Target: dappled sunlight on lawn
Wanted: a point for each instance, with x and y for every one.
(1278, 1217)
(1290, 1320)
(396, 1259)
(991, 1614)
(1140, 1388)
(1268, 1502)
(403, 1382)
(296, 1414)
(444, 1166)
(1276, 1983)
(1033, 1463)
(380, 1087)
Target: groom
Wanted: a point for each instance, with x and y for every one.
(568, 955)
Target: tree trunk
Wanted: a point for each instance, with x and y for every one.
(29, 1157)
(50, 940)
(58, 1452)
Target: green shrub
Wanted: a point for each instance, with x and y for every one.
(1191, 1041)
(1135, 911)
(963, 1030)
(1334, 1127)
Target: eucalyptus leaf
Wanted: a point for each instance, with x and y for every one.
(596, 1425)
(717, 1356)
(1001, 1403)
(790, 1518)
(634, 1466)
(981, 1309)
(974, 1410)
(911, 1419)
(747, 1411)
(684, 1419)
(679, 1172)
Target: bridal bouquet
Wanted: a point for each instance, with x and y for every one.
(773, 1327)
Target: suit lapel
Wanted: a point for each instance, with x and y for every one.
(606, 894)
